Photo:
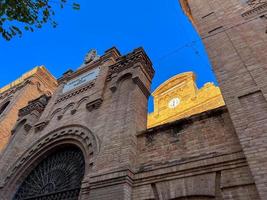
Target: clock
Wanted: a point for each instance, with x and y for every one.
(173, 103)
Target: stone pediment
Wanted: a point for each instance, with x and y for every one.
(174, 81)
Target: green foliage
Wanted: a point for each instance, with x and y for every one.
(17, 16)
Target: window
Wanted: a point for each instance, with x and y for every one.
(3, 107)
(58, 176)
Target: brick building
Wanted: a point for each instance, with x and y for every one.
(235, 35)
(17, 94)
(179, 97)
(90, 139)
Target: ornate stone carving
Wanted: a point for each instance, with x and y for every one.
(129, 60)
(255, 3)
(256, 8)
(14, 89)
(91, 56)
(58, 176)
(75, 92)
(35, 105)
(59, 117)
(40, 126)
(75, 132)
(27, 127)
(94, 104)
(73, 111)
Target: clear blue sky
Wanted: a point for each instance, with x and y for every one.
(159, 26)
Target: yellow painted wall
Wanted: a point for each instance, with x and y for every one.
(179, 97)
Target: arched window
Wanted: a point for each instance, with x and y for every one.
(58, 176)
(3, 107)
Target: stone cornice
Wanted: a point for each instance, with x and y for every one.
(255, 11)
(184, 121)
(191, 166)
(37, 104)
(14, 89)
(110, 54)
(127, 61)
(75, 92)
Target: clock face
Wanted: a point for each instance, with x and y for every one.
(174, 102)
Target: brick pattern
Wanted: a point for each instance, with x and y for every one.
(36, 85)
(236, 44)
(173, 156)
(192, 158)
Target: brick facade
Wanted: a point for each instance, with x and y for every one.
(30, 86)
(234, 34)
(104, 114)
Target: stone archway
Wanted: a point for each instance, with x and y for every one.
(74, 136)
(58, 176)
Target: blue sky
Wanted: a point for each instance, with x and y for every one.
(159, 26)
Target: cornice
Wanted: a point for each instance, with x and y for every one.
(127, 61)
(255, 11)
(14, 89)
(38, 104)
(111, 54)
(184, 121)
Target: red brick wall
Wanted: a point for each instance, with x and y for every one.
(235, 38)
(194, 158)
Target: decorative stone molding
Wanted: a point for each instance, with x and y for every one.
(73, 111)
(85, 189)
(177, 126)
(257, 8)
(121, 176)
(59, 117)
(75, 92)
(73, 132)
(27, 127)
(14, 89)
(135, 74)
(94, 104)
(143, 88)
(66, 76)
(40, 126)
(255, 3)
(129, 60)
(35, 105)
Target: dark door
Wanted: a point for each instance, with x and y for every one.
(57, 177)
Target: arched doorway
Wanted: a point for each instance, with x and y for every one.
(58, 176)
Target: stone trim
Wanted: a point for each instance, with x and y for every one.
(94, 104)
(128, 61)
(14, 89)
(111, 178)
(38, 104)
(180, 169)
(75, 92)
(185, 121)
(72, 132)
(111, 54)
(256, 11)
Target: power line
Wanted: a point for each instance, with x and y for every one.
(189, 44)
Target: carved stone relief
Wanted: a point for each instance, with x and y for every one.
(72, 132)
